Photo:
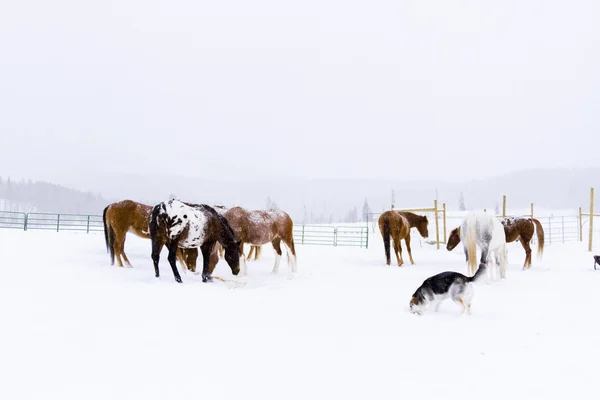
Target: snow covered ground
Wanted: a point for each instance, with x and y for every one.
(74, 327)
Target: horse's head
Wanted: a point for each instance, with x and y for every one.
(232, 256)
(454, 239)
(422, 227)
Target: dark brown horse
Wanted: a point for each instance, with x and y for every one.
(177, 225)
(396, 225)
(523, 229)
(258, 227)
(129, 216)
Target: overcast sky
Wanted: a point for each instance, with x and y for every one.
(313, 88)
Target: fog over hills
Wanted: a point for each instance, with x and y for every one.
(332, 199)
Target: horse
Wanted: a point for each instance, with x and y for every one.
(523, 229)
(253, 249)
(177, 225)
(397, 224)
(258, 227)
(483, 230)
(130, 216)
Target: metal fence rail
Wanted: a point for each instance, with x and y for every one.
(329, 235)
(352, 236)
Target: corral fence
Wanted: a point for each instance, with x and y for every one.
(51, 221)
(329, 235)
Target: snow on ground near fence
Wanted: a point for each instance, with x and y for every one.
(73, 327)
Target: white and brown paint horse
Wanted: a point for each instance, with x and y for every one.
(258, 227)
(483, 230)
(176, 225)
(523, 228)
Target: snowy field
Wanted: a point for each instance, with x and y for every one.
(73, 327)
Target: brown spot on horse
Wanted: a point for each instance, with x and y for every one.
(396, 225)
(258, 227)
(523, 230)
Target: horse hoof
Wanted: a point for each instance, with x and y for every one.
(207, 278)
(178, 280)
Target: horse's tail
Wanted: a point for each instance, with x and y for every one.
(471, 239)
(386, 238)
(105, 229)
(109, 236)
(539, 230)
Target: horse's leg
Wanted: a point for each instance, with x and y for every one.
(189, 257)
(527, 247)
(407, 241)
(243, 266)
(250, 252)
(118, 245)
(398, 251)
(291, 252)
(214, 259)
(172, 257)
(277, 246)
(206, 248)
(122, 251)
(156, 248)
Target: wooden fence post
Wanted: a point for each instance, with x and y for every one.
(591, 219)
(580, 225)
(437, 227)
(503, 206)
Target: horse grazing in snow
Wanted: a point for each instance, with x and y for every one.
(176, 225)
(523, 229)
(396, 225)
(483, 230)
(258, 227)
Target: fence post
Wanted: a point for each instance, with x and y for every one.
(444, 216)
(367, 237)
(580, 225)
(25, 222)
(503, 206)
(58, 223)
(531, 210)
(591, 219)
(88, 224)
(335, 237)
(437, 225)
(302, 234)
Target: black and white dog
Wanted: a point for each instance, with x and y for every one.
(445, 285)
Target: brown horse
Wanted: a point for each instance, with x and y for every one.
(258, 227)
(396, 225)
(254, 250)
(523, 229)
(130, 216)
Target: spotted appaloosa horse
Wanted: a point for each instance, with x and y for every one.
(523, 228)
(395, 225)
(258, 227)
(125, 216)
(174, 224)
(483, 230)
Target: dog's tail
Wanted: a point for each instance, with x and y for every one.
(539, 230)
(386, 239)
(478, 274)
(471, 239)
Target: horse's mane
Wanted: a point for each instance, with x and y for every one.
(154, 218)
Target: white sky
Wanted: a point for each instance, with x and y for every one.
(317, 88)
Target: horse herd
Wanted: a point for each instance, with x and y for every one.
(186, 229)
(183, 228)
(477, 229)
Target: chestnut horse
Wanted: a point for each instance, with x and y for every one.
(396, 225)
(523, 228)
(130, 216)
(176, 225)
(253, 249)
(258, 227)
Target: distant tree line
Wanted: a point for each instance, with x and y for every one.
(29, 196)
